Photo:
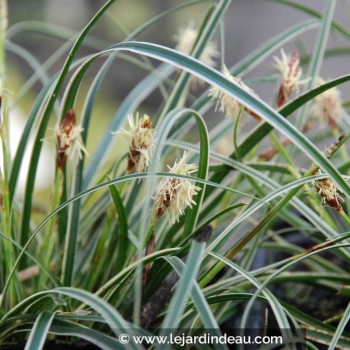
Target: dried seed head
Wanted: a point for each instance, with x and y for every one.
(328, 192)
(327, 106)
(174, 195)
(141, 139)
(186, 39)
(226, 103)
(68, 140)
(289, 68)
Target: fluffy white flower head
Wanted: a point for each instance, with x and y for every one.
(186, 39)
(68, 140)
(174, 195)
(327, 106)
(141, 138)
(289, 68)
(226, 103)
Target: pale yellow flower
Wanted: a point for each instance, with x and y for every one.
(141, 139)
(174, 195)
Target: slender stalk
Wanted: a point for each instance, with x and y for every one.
(50, 239)
(345, 216)
(235, 133)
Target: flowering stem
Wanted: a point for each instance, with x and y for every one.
(150, 245)
(235, 132)
(315, 203)
(343, 151)
(51, 237)
(150, 231)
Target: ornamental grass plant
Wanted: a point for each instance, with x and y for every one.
(223, 208)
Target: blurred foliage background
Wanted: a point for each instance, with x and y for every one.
(248, 24)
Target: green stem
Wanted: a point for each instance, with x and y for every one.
(343, 152)
(149, 232)
(51, 235)
(235, 132)
(345, 216)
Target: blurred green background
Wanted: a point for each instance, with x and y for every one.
(248, 24)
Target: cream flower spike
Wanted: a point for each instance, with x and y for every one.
(289, 68)
(327, 106)
(226, 103)
(186, 39)
(141, 138)
(68, 140)
(174, 195)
